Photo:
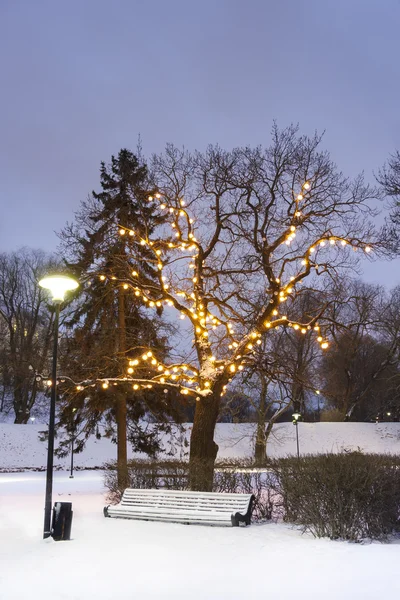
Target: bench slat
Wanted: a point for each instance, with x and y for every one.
(174, 502)
(186, 493)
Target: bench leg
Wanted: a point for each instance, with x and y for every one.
(235, 522)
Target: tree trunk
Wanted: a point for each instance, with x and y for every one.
(122, 451)
(20, 407)
(203, 449)
(21, 418)
(260, 449)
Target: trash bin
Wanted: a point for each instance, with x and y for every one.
(62, 521)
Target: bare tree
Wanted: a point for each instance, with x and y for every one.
(281, 372)
(27, 322)
(355, 370)
(389, 178)
(244, 224)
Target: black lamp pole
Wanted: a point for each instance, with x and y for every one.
(72, 443)
(297, 438)
(50, 448)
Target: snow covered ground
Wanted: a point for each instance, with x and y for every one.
(108, 559)
(20, 447)
(111, 558)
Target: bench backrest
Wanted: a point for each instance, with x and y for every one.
(176, 499)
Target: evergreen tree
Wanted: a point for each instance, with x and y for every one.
(109, 325)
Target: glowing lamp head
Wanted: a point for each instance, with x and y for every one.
(58, 285)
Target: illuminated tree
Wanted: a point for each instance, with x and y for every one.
(243, 225)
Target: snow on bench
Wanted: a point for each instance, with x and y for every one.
(208, 508)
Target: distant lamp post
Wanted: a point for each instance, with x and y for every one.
(58, 285)
(318, 405)
(32, 420)
(296, 416)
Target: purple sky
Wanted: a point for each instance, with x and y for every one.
(82, 78)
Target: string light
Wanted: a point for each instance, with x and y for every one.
(197, 311)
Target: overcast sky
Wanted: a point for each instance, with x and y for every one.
(82, 78)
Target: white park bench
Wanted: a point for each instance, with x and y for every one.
(208, 508)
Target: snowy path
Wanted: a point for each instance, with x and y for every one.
(111, 558)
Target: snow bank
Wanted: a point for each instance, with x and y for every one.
(20, 447)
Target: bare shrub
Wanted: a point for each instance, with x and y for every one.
(348, 496)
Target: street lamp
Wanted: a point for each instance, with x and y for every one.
(296, 416)
(72, 443)
(58, 285)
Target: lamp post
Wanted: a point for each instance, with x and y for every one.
(296, 416)
(319, 408)
(58, 285)
(72, 443)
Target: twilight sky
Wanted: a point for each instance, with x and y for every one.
(81, 79)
